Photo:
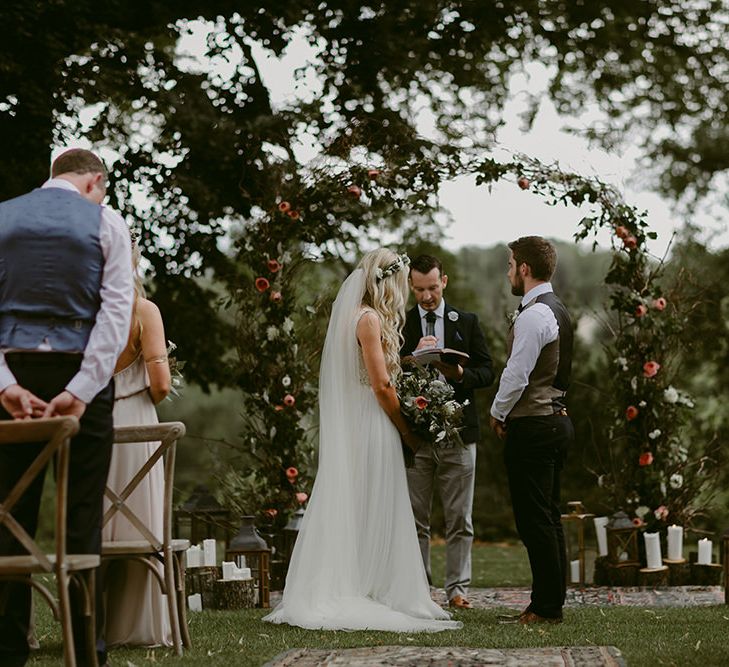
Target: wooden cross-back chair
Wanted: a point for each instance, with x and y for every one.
(56, 433)
(151, 549)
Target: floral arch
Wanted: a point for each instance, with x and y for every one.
(648, 470)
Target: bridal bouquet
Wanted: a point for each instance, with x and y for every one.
(176, 366)
(428, 402)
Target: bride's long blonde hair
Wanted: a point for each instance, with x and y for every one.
(387, 294)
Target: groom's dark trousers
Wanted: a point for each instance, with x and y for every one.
(535, 451)
(46, 374)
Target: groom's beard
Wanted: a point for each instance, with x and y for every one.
(517, 287)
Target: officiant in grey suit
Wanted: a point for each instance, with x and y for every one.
(434, 322)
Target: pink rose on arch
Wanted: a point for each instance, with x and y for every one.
(291, 474)
(271, 513)
(289, 400)
(262, 284)
(630, 242)
(660, 303)
(622, 232)
(301, 497)
(421, 402)
(646, 458)
(650, 369)
(276, 297)
(631, 413)
(637, 522)
(273, 265)
(284, 207)
(640, 310)
(661, 513)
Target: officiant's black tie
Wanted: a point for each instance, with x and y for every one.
(430, 318)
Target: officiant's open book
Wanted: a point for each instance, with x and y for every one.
(428, 355)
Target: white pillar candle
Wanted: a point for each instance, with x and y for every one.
(243, 573)
(601, 532)
(192, 556)
(675, 542)
(653, 550)
(210, 557)
(575, 571)
(229, 570)
(705, 547)
(194, 602)
(241, 561)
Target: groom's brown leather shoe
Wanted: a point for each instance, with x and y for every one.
(459, 602)
(511, 618)
(530, 617)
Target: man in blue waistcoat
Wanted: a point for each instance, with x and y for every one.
(66, 298)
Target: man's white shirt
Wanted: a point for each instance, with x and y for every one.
(534, 328)
(111, 330)
(439, 323)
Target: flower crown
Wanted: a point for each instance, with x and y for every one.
(400, 263)
(136, 236)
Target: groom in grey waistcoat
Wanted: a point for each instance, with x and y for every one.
(65, 308)
(434, 322)
(529, 413)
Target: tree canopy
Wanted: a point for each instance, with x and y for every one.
(208, 152)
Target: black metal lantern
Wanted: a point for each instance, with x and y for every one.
(249, 549)
(622, 541)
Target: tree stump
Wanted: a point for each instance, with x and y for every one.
(234, 594)
(202, 580)
(600, 576)
(679, 572)
(622, 575)
(706, 575)
(654, 577)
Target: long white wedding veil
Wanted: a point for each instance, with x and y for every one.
(324, 562)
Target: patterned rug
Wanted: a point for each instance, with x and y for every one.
(444, 656)
(597, 596)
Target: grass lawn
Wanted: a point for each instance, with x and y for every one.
(497, 564)
(647, 637)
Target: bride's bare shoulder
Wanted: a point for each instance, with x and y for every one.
(368, 322)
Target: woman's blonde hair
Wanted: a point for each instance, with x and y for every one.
(386, 291)
(139, 292)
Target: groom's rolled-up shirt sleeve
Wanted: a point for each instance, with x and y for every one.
(533, 329)
(110, 332)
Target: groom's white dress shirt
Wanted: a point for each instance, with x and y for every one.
(110, 332)
(439, 324)
(534, 328)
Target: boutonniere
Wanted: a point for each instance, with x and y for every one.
(453, 316)
(512, 317)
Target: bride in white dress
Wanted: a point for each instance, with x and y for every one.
(356, 564)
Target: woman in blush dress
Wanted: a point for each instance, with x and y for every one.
(356, 564)
(136, 610)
